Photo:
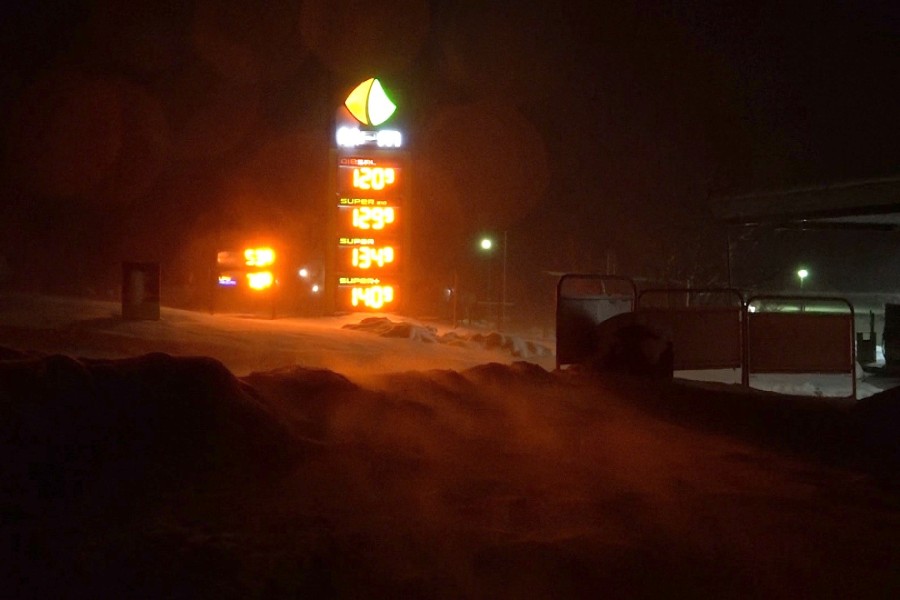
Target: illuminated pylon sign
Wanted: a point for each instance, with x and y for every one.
(369, 106)
(251, 268)
(369, 230)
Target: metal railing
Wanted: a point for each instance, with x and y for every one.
(713, 328)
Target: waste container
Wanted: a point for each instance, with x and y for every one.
(140, 291)
(866, 342)
(891, 336)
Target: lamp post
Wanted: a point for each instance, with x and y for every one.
(503, 287)
(487, 244)
(802, 274)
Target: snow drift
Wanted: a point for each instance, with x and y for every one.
(162, 476)
(515, 345)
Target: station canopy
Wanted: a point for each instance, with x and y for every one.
(867, 204)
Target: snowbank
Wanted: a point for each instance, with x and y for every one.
(159, 476)
(515, 345)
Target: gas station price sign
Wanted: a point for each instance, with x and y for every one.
(370, 229)
(358, 176)
(368, 255)
(360, 219)
(362, 293)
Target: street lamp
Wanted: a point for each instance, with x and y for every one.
(487, 245)
(503, 286)
(802, 274)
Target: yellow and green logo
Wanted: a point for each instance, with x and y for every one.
(369, 104)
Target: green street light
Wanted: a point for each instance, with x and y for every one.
(802, 274)
(486, 243)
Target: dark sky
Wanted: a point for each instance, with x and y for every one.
(145, 130)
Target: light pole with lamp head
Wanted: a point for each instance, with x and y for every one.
(487, 244)
(802, 274)
(503, 286)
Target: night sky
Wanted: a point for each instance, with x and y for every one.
(587, 130)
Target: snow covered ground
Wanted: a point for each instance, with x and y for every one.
(227, 457)
(350, 344)
(833, 388)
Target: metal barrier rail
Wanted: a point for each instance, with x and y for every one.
(587, 303)
(703, 336)
(713, 336)
(801, 341)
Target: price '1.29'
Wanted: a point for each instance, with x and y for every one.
(372, 217)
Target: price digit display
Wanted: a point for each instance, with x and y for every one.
(373, 178)
(372, 217)
(374, 297)
(360, 176)
(371, 225)
(364, 257)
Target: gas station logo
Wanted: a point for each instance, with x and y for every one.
(367, 107)
(369, 104)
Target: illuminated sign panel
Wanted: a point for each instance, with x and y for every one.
(369, 229)
(352, 137)
(370, 177)
(366, 108)
(365, 255)
(369, 103)
(369, 256)
(366, 292)
(373, 178)
(259, 257)
(260, 280)
(355, 220)
(248, 268)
